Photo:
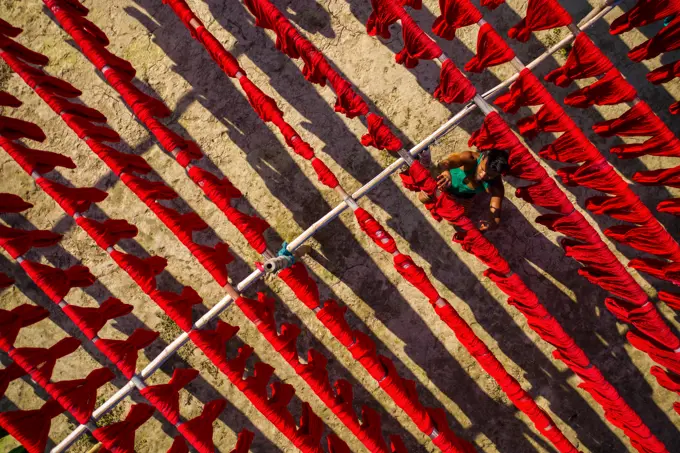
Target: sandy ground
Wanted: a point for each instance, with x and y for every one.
(281, 187)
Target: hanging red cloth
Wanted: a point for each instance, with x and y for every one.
(665, 73)
(251, 228)
(243, 442)
(165, 397)
(664, 144)
(525, 91)
(492, 4)
(598, 175)
(652, 238)
(379, 135)
(610, 90)
(148, 191)
(418, 178)
(674, 108)
(109, 232)
(12, 321)
(671, 206)
(573, 225)
(8, 29)
(416, 276)
(667, 177)
(474, 242)
(264, 106)
(546, 194)
(7, 100)
(299, 281)
(375, 231)
(417, 45)
(8, 374)
(142, 270)
(179, 445)
(455, 14)
(644, 13)
(123, 353)
(492, 50)
(348, 102)
(658, 268)
(79, 396)
(670, 299)
(571, 147)
(332, 315)
(16, 242)
(90, 320)
(12, 203)
(324, 174)
(212, 342)
(56, 283)
(15, 129)
(219, 190)
(178, 306)
(541, 15)
(23, 53)
(120, 437)
(551, 117)
(585, 60)
(666, 379)
(40, 362)
(383, 15)
(453, 86)
(639, 120)
(668, 39)
(71, 199)
(645, 318)
(5, 281)
(494, 133)
(33, 160)
(661, 354)
(626, 207)
(119, 162)
(31, 428)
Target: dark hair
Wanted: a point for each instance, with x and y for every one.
(497, 161)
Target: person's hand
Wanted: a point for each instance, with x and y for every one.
(444, 180)
(484, 226)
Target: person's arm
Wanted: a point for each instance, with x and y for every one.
(454, 160)
(497, 192)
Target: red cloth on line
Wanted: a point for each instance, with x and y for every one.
(148, 191)
(179, 445)
(665, 73)
(120, 437)
(16, 242)
(415, 275)
(417, 45)
(418, 178)
(612, 283)
(571, 147)
(8, 29)
(526, 91)
(453, 86)
(15, 129)
(84, 128)
(666, 40)
(219, 190)
(383, 15)
(123, 353)
(332, 315)
(664, 144)
(71, 199)
(674, 108)
(12, 203)
(109, 232)
(251, 228)
(40, 362)
(610, 90)
(598, 175)
(299, 281)
(12, 321)
(79, 396)
(178, 306)
(397, 445)
(671, 206)
(639, 120)
(666, 177)
(144, 106)
(492, 50)
(379, 135)
(336, 445)
(325, 175)
(212, 342)
(142, 270)
(644, 13)
(31, 428)
(646, 319)
(316, 68)
(63, 107)
(8, 374)
(23, 53)
(300, 147)
(573, 225)
(182, 225)
(119, 162)
(348, 102)
(650, 238)
(375, 231)
(551, 117)
(243, 442)
(492, 4)
(666, 379)
(670, 299)
(658, 268)
(165, 397)
(541, 15)
(626, 207)
(474, 242)
(585, 60)
(7, 100)
(546, 194)
(33, 160)
(264, 106)
(225, 60)
(56, 283)
(661, 354)
(90, 320)
(5, 281)
(455, 14)
(494, 133)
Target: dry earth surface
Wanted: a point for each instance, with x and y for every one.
(280, 186)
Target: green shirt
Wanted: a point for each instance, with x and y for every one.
(458, 186)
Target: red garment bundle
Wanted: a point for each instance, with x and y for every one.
(525, 91)
(379, 135)
(646, 319)
(71, 199)
(11, 322)
(40, 362)
(453, 86)
(332, 315)
(23, 53)
(671, 206)
(179, 445)
(598, 175)
(665, 73)
(119, 162)
(612, 283)
(8, 29)
(494, 133)
(658, 268)
(474, 242)
(7, 100)
(90, 320)
(148, 191)
(492, 50)
(298, 280)
(573, 225)
(56, 283)
(178, 306)
(667, 177)
(244, 440)
(12, 203)
(324, 174)
(165, 397)
(16, 242)
(348, 102)
(546, 194)
(109, 232)
(455, 14)
(650, 238)
(585, 60)
(264, 106)
(666, 40)
(123, 353)
(120, 437)
(199, 430)
(383, 15)
(79, 396)
(666, 379)
(418, 178)
(33, 160)
(251, 228)
(375, 231)
(551, 117)
(492, 4)
(31, 428)
(14, 129)
(417, 45)
(8, 374)
(541, 15)
(644, 13)
(142, 270)
(182, 225)
(626, 207)
(219, 190)
(670, 299)
(212, 342)
(661, 354)
(415, 275)
(639, 120)
(610, 90)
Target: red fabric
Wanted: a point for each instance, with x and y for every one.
(525, 91)
(332, 315)
(455, 14)
(585, 60)
(494, 133)
(8, 374)
(33, 160)
(90, 320)
(31, 428)
(670, 299)
(21, 52)
(182, 225)
(610, 90)
(148, 191)
(379, 135)
(123, 353)
(646, 319)
(639, 120)
(336, 445)
(79, 396)
(666, 40)
(658, 268)
(251, 228)
(453, 86)
(541, 15)
(383, 15)
(666, 379)
(119, 162)
(664, 144)
(571, 147)
(14, 129)
(300, 147)
(109, 232)
(348, 102)
(244, 441)
(644, 13)
(671, 206)
(598, 175)
(625, 207)
(179, 445)
(415, 275)
(325, 175)
(418, 178)
(225, 60)
(71, 199)
(492, 50)
(660, 353)
(40, 362)
(56, 283)
(178, 306)
(7, 100)
(11, 322)
(142, 270)
(298, 280)
(674, 108)
(5, 281)
(12, 203)
(666, 177)
(492, 4)
(665, 73)
(612, 283)
(551, 117)
(212, 342)
(573, 225)
(16, 242)
(474, 242)
(546, 194)
(264, 106)
(651, 238)
(219, 190)
(417, 45)
(375, 231)
(165, 397)
(8, 29)
(120, 437)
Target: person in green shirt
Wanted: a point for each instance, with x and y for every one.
(466, 174)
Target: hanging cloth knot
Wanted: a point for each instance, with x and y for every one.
(251, 228)
(120, 436)
(31, 428)
(165, 397)
(142, 270)
(21, 52)
(383, 15)
(375, 231)
(119, 162)
(72, 199)
(610, 90)
(243, 442)
(79, 396)
(492, 50)
(148, 191)
(379, 135)
(56, 283)
(12, 321)
(324, 174)
(178, 306)
(123, 353)
(212, 342)
(40, 362)
(524, 92)
(348, 102)
(415, 275)
(332, 315)
(453, 86)
(585, 60)
(455, 14)
(303, 286)
(541, 15)
(16, 242)
(7, 100)
(219, 190)
(33, 160)
(644, 13)
(199, 430)
(107, 233)
(639, 120)
(264, 106)
(90, 320)
(8, 374)
(417, 45)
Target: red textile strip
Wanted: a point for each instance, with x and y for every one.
(541, 15)
(12, 321)
(79, 396)
(417, 45)
(455, 14)
(671, 206)
(610, 90)
(14, 129)
(665, 144)
(243, 442)
(178, 306)
(8, 374)
(660, 353)
(142, 270)
(8, 29)
(546, 194)
(7, 100)
(571, 147)
(119, 162)
(33, 160)
(639, 120)
(71, 199)
(658, 268)
(120, 437)
(670, 299)
(667, 177)
(325, 175)
(165, 397)
(666, 40)
(492, 4)
(379, 135)
(31, 428)
(626, 207)
(492, 50)
(109, 232)
(644, 13)
(264, 106)
(251, 227)
(40, 362)
(651, 238)
(148, 191)
(56, 283)
(526, 91)
(348, 102)
(123, 353)
(646, 319)
(90, 320)
(551, 117)
(585, 60)
(12, 203)
(453, 86)
(382, 16)
(665, 73)
(573, 225)
(219, 190)
(474, 242)
(212, 342)
(375, 231)
(199, 430)
(16, 242)
(21, 52)
(416, 276)
(304, 287)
